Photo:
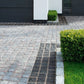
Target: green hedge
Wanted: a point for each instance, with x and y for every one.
(52, 15)
(72, 45)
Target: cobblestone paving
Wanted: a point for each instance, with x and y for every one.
(44, 70)
(19, 47)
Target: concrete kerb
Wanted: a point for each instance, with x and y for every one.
(59, 67)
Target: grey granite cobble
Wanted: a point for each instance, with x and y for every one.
(59, 79)
(12, 82)
(60, 71)
(4, 82)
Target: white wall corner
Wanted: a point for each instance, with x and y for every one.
(40, 10)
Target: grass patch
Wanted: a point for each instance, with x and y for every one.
(74, 73)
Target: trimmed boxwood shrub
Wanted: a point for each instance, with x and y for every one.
(72, 45)
(52, 15)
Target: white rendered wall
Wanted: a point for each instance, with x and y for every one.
(40, 9)
(55, 5)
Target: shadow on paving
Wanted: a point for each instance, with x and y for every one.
(44, 70)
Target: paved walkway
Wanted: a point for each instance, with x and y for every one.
(19, 47)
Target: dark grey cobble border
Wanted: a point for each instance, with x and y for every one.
(44, 70)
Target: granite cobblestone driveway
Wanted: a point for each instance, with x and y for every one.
(19, 46)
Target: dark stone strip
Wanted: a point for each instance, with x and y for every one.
(62, 21)
(44, 70)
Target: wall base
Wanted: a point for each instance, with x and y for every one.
(40, 21)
